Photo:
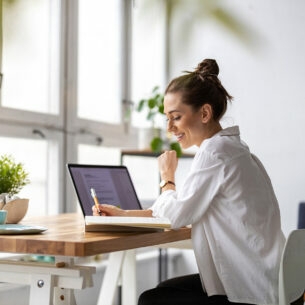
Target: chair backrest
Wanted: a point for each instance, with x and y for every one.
(292, 268)
(301, 216)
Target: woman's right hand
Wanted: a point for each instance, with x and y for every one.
(108, 210)
(168, 163)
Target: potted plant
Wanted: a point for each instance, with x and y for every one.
(153, 105)
(13, 177)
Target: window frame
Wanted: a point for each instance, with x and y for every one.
(113, 134)
(66, 129)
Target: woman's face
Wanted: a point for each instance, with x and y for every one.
(183, 122)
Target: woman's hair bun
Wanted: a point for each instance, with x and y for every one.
(207, 67)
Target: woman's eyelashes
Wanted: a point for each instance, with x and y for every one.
(177, 118)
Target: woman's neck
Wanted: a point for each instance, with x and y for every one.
(212, 129)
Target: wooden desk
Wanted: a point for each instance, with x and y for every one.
(66, 239)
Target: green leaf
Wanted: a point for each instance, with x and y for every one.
(152, 103)
(160, 98)
(140, 105)
(155, 89)
(228, 21)
(156, 144)
(176, 146)
(161, 109)
(150, 116)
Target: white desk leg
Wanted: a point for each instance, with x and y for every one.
(41, 292)
(111, 278)
(128, 277)
(50, 284)
(64, 296)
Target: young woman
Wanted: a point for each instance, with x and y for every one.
(227, 197)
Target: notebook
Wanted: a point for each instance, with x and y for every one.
(112, 185)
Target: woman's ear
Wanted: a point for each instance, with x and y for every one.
(207, 113)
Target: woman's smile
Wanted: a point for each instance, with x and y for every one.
(179, 137)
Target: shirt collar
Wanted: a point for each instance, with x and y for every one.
(230, 131)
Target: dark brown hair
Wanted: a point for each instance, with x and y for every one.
(202, 86)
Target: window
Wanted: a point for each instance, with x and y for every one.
(69, 77)
(99, 87)
(30, 55)
(30, 106)
(149, 50)
(40, 159)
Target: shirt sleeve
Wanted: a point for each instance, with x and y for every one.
(189, 205)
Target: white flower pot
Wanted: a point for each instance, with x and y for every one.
(16, 209)
(146, 135)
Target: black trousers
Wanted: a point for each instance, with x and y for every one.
(184, 290)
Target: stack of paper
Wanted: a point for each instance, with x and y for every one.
(125, 224)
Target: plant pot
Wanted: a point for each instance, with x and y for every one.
(16, 209)
(145, 137)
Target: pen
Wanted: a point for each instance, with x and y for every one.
(93, 194)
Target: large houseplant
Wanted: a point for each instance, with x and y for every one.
(153, 105)
(13, 177)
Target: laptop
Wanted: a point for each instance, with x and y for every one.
(112, 184)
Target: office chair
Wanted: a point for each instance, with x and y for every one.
(301, 216)
(292, 268)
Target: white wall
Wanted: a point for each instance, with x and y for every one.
(267, 82)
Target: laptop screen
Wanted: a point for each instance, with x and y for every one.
(112, 185)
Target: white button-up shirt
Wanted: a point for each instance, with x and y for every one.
(236, 230)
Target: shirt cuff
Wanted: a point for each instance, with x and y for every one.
(158, 207)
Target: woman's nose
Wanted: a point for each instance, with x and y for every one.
(170, 125)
